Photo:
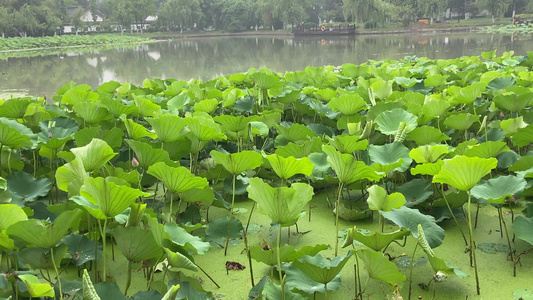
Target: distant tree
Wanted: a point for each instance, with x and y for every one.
(142, 9)
(76, 19)
(237, 15)
(291, 11)
(6, 22)
(121, 13)
(93, 8)
(496, 8)
(369, 12)
(264, 11)
(432, 8)
(180, 13)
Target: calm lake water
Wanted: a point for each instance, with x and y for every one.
(208, 58)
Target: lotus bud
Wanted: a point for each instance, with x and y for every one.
(50, 134)
(134, 162)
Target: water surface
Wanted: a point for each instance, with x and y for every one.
(208, 58)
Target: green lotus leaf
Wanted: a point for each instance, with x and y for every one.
(300, 150)
(389, 121)
(348, 169)
(89, 293)
(428, 153)
(282, 205)
(416, 191)
(321, 269)
(92, 112)
(117, 107)
(463, 172)
(146, 107)
(382, 89)
(236, 163)
(389, 154)
(487, 149)
(13, 134)
(511, 126)
(406, 82)
(287, 253)
(376, 241)
(409, 219)
(287, 167)
(379, 200)
(522, 164)
(348, 143)
(207, 105)
(106, 198)
(523, 228)
(462, 147)
(426, 135)
(435, 108)
(523, 136)
(234, 123)
(438, 264)
(9, 215)
(147, 155)
(169, 128)
(428, 169)
(15, 109)
(136, 131)
(180, 261)
(259, 128)
(81, 248)
(297, 279)
(136, 244)
(46, 236)
(79, 94)
(347, 104)
(468, 94)
(177, 180)
(326, 94)
(380, 267)
(264, 80)
(10, 162)
(436, 80)
(94, 155)
(41, 258)
(204, 128)
(512, 102)
(37, 289)
(295, 132)
(461, 121)
(204, 195)
(112, 137)
(497, 190)
(501, 83)
(274, 291)
(23, 187)
(178, 102)
(189, 242)
(70, 176)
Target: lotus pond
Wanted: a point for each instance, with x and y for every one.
(398, 179)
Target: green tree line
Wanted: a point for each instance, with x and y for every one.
(43, 17)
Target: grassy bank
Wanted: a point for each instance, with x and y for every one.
(49, 42)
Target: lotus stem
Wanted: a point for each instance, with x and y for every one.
(506, 233)
(282, 282)
(171, 204)
(57, 273)
(338, 207)
(411, 272)
(230, 216)
(103, 235)
(472, 244)
(453, 215)
(218, 286)
(245, 234)
(128, 279)
(326, 291)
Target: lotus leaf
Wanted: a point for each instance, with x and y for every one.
(487, 150)
(35, 287)
(379, 267)
(295, 132)
(23, 187)
(348, 143)
(389, 154)
(379, 200)
(285, 168)
(136, 244)
(169, 128)
(389, 121)
(46, 236)
(70, 176)
(274, 291)
(461, 121)
(137, 131)
(103, 199)
(499, 189)
(428, 153)
(347, 104)
(147, 155)
(282, 205)
(426, 135)
(463, 172)
(13, 134)
(180, 261)
(287, 253)
(94, 155)
(409, 219)
(89, 293)
(374, 240)
(523, 136)
(348, 169)
(236, 163)
(416, 191)
(522, 228)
